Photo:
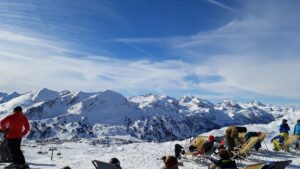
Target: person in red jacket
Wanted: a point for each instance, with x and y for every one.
(16, 126)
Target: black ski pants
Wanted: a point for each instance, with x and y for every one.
(15, 148)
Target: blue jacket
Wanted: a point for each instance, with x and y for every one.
(280, 139)
(284, 128)
(297, 129)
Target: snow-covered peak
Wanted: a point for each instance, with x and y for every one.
(156, 105)
(257, 103)
(14, 94)
(44, 95)
(149, 98)
(111, 96)
(229, 102)
(4, 97)
(2, 94)
(105, 107)
(188, 100)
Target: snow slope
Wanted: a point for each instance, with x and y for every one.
(144, 155)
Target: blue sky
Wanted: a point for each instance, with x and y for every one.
(244, 50)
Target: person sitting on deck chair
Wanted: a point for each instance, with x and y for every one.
(209, 147)
(225, 161)
(231, 139)
(278, 141)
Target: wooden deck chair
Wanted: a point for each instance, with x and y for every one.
(242, 152)
(254, 166)
(291, 140)
(262, 137)
(103, 165)
(198, 143)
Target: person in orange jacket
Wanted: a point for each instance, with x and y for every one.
(16, 126)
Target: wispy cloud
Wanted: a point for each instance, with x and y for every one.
(41, 66)
(29, 40)
(219, 4)
(253, 54)
(257, 53)
(131, 44)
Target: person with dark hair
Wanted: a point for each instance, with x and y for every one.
(116, 162)
(231, 139)
(225, 161)
(170, 162)
(66, 167)
(241, 129)
(297, 132)
(178, 151)
(16, 126)
(284, 129)
(297, 128)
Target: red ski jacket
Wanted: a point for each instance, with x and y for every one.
(14, 124)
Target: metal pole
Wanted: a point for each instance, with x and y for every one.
(52, 149)
(52, 154)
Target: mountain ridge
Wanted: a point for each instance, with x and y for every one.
(69, 115)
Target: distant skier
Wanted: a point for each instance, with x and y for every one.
(297, 132)
(16, 126)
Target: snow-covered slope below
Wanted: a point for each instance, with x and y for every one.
(145, 155)
(68, 115)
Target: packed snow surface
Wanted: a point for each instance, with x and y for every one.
(145, 155)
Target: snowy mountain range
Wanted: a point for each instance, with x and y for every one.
(71, 115)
